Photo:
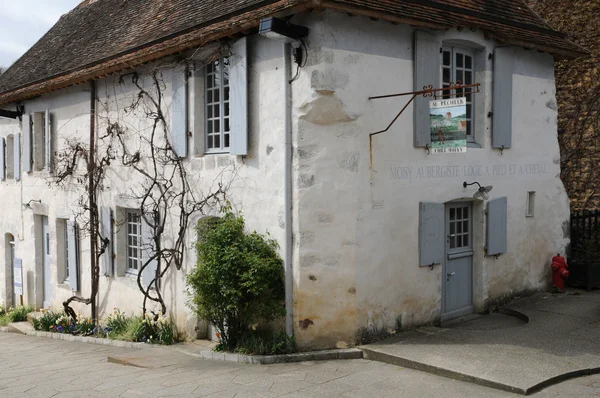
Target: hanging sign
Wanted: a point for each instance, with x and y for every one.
(18, 276)
(448, 125)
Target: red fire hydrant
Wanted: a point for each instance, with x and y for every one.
(559, 271)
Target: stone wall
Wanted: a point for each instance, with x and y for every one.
(578, 97)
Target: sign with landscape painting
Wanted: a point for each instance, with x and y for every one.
(448, 125)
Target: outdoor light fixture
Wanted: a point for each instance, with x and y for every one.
(482, 192)
(278, 29)
(28, 204)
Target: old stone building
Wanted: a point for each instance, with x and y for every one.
(578, 98)
(379, 232)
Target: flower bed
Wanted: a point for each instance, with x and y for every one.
(16, 314)
(117, 326)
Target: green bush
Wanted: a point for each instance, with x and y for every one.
(238, 279)
(142, 329)
(16, 314)
(47, 320)
(265, 342)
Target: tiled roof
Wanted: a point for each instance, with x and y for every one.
(103, 36)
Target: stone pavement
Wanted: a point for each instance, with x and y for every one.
(560, 341)
(38, 367)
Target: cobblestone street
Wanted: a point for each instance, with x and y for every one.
(39, 367)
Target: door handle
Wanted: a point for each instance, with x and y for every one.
(450, 275)
(451, 235)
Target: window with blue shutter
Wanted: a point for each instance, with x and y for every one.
(107, 233)
(426, 73)
(2, 161)
(502, 98)
(27, 150)
(179, 125)
(17, 157)
(497, 226)
(148, 249)
(239, 97)
(431, 234)
(73, 255)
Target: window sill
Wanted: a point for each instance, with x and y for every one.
(474, 145)
(216, 153)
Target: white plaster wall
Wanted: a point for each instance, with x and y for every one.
(256, 180)
(357, 271)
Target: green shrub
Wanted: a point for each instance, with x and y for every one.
(48, 319)
(16, 314)
(19, 314)
(238, 279)
(117, 322)
(143, 329)
(265, 342)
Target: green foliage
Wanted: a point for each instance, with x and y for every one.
(117, 322)
(16, 314)
(238, 280)
(265, 342)
(144, 329)
(47, 320)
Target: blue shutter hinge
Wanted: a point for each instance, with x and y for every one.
(491, 56)
(490, 114)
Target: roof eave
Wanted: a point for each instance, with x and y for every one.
(197, 38)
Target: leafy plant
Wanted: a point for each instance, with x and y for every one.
(266, 342)
(238, 279)
(16, 314)
(145, 329)
(117, 322)
(48, 318)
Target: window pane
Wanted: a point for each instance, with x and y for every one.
(446, 58)
(466, 240)
(209, 143)
(209, 127)
(226, 140)
(216, 96)
(217, 141)
(226, 124)
(459, 76)
(469, 132)
(209, 112)
(459, 213)
(226, 93)
(469, 110)
(452, 212)
(452, 242)
(217, 125)
(459, 60)
(468, 77)
(452, 229)
(217, 109)
(468, 62)
(446, 75)
(226, 109)
(466, 212)
(458, 228)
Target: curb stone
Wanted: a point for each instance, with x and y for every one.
(326, 355)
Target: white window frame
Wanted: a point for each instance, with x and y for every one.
(223, 105)
(453, 50)
(133, 262)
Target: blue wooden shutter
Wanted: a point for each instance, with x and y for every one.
(148, 249)
(48, 143)
(502, 97)
(179, 129)
(107, 233)
(26, 129)
(2, 161)
(17, 158)
(497, 223)
(238, 83)
(427, 73)
(73, 255)
(431, 234)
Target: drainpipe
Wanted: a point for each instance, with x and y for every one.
(289, 275)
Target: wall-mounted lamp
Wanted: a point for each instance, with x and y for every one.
(482, 192)
(278, 29)
(28, 204)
